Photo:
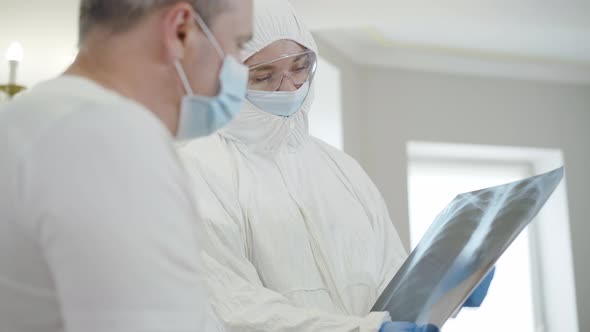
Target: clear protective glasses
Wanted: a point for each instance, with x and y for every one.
(268, 76)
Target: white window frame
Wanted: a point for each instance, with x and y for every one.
(554, 295)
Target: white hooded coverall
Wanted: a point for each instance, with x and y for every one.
(299, 237)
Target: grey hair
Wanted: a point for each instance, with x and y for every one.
(120, 15)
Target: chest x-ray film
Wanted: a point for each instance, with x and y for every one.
(461, 247)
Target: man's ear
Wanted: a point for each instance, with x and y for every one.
(178, 20)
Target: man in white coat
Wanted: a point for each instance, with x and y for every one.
(98, 230)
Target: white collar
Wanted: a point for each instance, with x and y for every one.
(266, 133)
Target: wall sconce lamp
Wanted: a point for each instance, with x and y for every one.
(14, 55)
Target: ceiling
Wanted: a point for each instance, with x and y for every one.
(525, 38)
(545, 40)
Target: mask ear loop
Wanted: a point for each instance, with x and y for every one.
(183, 78)
(209, 35)
(212, 40)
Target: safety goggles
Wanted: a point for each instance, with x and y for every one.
(268, 76)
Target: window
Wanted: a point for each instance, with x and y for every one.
(534, 286)
(432, 185)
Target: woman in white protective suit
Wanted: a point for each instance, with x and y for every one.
(303, 240)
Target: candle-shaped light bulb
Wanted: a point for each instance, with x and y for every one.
(14, 55)
(15, 52)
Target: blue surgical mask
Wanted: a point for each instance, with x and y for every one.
(201, 115)
(280, 103)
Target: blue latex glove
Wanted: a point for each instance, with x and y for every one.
(407, 327)
(479, 294)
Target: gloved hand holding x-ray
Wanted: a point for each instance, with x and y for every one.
(479, 294)
(460, 248)
(407, 327)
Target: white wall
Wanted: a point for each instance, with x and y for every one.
(48, 32)
(353, 120)
(325, 118)
(385, 108)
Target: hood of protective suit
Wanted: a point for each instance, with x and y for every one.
(274, 20)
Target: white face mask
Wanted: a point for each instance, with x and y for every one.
(280, 103)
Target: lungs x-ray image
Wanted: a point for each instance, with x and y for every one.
(461, 247)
